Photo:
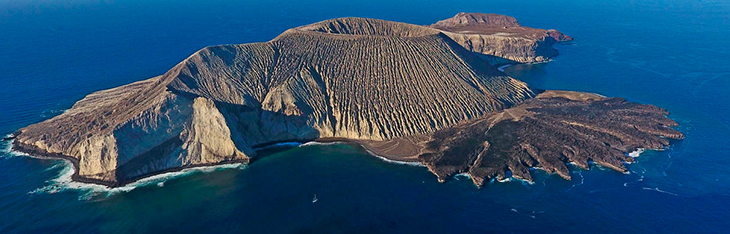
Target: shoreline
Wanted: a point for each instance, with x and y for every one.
(33, 152)
(38, 154)
(501, 67)
(369, 151)
(154, 176)
(385, 159)
(403, 151)
(64, 181)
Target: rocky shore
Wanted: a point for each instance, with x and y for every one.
(549, 131)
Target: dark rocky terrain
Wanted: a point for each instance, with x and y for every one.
(406, 92)
(549, 131)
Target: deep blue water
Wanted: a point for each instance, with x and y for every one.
(673, 54)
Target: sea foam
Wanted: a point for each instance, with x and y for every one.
(415, 164)
(501, 68)
(6, 150)
(64, 181)
(313, 143)
(659, 190)
(636, 153)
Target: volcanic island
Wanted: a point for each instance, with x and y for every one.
(424, 94)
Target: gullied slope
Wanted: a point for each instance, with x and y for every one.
(549, 131)
(349, 78)
(501, 38)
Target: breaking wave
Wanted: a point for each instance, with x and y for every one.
(6, 150)
(415, 164)
(64, 181)
(501, 68)
(313, 143)
(636, 153)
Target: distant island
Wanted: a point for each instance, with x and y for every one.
(425, 94)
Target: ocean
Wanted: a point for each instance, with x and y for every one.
(673, 54)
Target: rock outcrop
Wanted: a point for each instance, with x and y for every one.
(501, 38)
(407, 92)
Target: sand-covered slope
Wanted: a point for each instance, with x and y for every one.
(350, 78)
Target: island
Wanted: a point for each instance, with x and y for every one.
(426, 94)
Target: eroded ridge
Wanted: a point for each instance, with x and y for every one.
(367, 27)
(549, 131)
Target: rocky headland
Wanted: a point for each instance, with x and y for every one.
(424, 94)
(549, 131)
(501, 39)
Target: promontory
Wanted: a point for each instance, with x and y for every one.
(427, 94)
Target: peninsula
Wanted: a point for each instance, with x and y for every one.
(427, 94)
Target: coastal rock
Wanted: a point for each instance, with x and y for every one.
(558, 36)
(501, 38)
(116, 135)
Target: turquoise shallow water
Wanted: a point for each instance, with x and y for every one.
(671, 54)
